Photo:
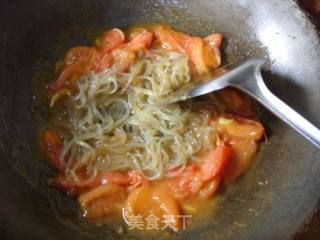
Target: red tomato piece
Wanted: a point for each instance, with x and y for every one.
(210, 188)
(52, 146)
(214, 39)
(195, 51)
(111, 39)
(186, 183)
(170, 39)
(201, 55)
(130, 179)
(244, 150)
(123, 59)
(237, 127)
(105, 62)
(102, 201)
(236, 102)
(135, 31)
(156, 200)
(215, 161)
(83, 54)
(140, 42)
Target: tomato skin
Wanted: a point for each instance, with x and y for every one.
(202, 179)
(210, 188)
(102, 201)
(214, 39)
(51, 144)
(195, 50)
(131, 179)
(242, 135)
(135, 31)
(81, 54)
(215, 162)
(244, 150)
(211, 56)
(105, 61)
(78, 61)
(116, 177)
(68, 76)
(170, 39)
(186, 183)
(237, 127)
(140, 42)
(111, 39)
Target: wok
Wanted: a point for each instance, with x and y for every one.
(272, 201)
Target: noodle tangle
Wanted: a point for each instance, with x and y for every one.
(119, 121)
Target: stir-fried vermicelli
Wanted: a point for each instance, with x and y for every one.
(120, 123)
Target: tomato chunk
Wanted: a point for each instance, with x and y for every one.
(140, 42)
(132, 32)
(244, 150)
(170, 39)
(202, 55)
(131, 179)
(78, 61)
(214, 40)
(153, 200)
(195, 51)
(195, 178)
(242, 135)
(210, 188)
(237, 103)
(187, 183)
(212, 56)
(83, 54)
(52, 146)
(111, 39)
(215, 162)
(68, 77)
(115, 177)
(123, 59)
(105, 61)
(237, 127)
(102, 201)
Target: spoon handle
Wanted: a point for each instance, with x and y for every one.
(257, 89)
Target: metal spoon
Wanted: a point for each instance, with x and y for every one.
(247, 77)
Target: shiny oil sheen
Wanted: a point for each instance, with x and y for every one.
(272, 201)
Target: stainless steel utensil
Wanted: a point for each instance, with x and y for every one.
(247, 77)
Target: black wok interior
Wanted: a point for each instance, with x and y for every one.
(272, 201)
